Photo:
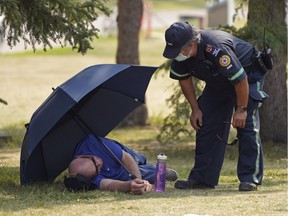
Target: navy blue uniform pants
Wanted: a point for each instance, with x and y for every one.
(217, 108)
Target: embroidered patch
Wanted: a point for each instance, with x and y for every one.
(224, 60)
(208, 48)
(215, 52)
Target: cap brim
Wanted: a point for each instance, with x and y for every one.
(170, 52)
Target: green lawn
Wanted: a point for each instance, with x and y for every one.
(54, 199)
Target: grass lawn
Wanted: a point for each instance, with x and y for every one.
(54, 199)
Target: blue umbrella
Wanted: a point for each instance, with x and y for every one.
(93, 101)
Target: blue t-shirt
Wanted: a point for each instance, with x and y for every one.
(111, 168)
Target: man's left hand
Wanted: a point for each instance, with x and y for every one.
(239, 119)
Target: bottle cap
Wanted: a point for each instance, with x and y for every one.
(161, 156)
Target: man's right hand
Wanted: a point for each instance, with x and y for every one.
(136, 186)
(196, 119)
(139, 186)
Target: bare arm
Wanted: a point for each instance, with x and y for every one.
(188, 90)
(131, 165)
(136, 186)
(242, 95)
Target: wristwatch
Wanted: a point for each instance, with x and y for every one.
(240, 109)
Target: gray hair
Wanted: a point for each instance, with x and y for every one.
(195, 38)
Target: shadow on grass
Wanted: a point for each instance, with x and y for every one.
(16, 132)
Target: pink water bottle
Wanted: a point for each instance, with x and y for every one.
(160, 175)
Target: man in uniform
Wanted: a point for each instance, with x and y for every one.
(233, 93)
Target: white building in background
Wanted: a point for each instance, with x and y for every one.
(221, 13)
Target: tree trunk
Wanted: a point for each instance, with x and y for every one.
(273, 113)
(129, 23)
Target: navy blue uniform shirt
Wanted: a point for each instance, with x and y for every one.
(222, 61)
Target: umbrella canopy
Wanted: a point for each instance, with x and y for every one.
(94, 100)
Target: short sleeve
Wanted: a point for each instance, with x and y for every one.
(179, 71)
(229, 65)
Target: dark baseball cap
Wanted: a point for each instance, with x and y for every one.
(177, 36)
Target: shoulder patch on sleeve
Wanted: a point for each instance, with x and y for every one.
(224, 60)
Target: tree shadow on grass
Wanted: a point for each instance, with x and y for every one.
(16, 133)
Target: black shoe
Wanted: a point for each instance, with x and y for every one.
(191, 184)
(247, 186)
(171, 175)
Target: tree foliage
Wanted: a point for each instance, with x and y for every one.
(46, 21)
(176, 125)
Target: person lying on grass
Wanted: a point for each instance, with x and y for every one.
(93, 166)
